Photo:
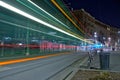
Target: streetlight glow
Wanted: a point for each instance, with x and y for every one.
(109, 38)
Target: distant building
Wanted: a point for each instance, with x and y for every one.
(96, 29)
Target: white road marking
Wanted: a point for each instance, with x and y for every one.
(4, 68)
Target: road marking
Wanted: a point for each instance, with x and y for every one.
(4, 68)
(29, 59)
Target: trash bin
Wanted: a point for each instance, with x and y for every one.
(104, 60)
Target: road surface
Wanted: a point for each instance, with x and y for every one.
(42, 69)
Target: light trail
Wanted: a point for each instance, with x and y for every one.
(21, 26)
(53, 1)
(18, 11)
(46, 16)
(47, 13)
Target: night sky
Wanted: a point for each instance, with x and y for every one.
(106, 11)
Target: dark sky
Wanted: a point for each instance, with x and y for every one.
(106, 11)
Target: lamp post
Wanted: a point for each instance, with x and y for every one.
(2, 51)
(118, 37)
(27, 39)
(95, 37)
(109, 40)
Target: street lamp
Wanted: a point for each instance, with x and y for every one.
(118, 37)
(109, 38)
(104, 38)
(95, 37)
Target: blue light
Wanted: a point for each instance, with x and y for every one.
(97, 46)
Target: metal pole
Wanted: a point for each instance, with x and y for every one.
(27, 39)
(2, 52)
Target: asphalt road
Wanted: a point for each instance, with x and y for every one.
(40, 69)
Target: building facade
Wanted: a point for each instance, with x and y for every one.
(98, 30)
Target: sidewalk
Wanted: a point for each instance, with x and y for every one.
(93, 71)
(114, 61)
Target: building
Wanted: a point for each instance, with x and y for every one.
(98, 30)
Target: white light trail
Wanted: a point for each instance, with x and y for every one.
(47, 13)
(7, 6)
(21, 26)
